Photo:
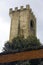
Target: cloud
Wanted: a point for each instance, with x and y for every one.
(4, 32)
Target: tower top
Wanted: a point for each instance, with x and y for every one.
(11, 11)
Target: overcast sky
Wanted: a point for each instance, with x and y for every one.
(5, 5)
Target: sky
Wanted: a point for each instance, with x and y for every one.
(5, 21)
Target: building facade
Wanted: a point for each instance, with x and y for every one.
(23, 22)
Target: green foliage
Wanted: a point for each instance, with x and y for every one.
(20, 44)
(7, 46)
(33, 41)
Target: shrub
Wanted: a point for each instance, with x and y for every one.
(21, 44)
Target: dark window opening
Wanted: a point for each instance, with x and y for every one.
(31, 24)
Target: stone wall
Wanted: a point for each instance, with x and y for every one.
(21, 22)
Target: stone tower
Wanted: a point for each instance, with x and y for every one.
(23, 22)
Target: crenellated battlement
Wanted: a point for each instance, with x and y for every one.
(33, 15)
(21, 8)
(16, 8)
(10, 10)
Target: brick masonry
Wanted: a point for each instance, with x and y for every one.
(21, 56)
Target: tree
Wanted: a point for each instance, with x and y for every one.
(21, 44)
(7, 47)
(33, 41)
